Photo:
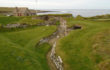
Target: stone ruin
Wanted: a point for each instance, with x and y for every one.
(9, 26)
(77, 27)
(60, 32)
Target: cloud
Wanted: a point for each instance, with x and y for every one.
(58, 4)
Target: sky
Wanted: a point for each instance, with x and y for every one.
(57, 4)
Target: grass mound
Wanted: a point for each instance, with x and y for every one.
(6, 20)
(79, 46)
(31, 21)
(18, 50)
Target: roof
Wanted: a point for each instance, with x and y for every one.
(21, 9)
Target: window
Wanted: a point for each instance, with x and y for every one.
(19, 14)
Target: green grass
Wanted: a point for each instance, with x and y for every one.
(83, 49)
(7, 20)
(18, 50)
(30, 21)
(22, 20)
(77, 49)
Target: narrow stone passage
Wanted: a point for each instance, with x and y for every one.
(55, 62)
(62, 31)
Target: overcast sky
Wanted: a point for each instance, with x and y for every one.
(57, 4)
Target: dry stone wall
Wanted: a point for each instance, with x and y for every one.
(56, 59)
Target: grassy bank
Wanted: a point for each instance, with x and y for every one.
(21, 20)
(7, 20)
(18, 50)
(86, 48)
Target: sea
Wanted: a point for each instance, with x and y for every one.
(75, 12)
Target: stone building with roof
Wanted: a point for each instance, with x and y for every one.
(23, 11)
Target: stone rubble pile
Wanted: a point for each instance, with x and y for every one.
(56, 59)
